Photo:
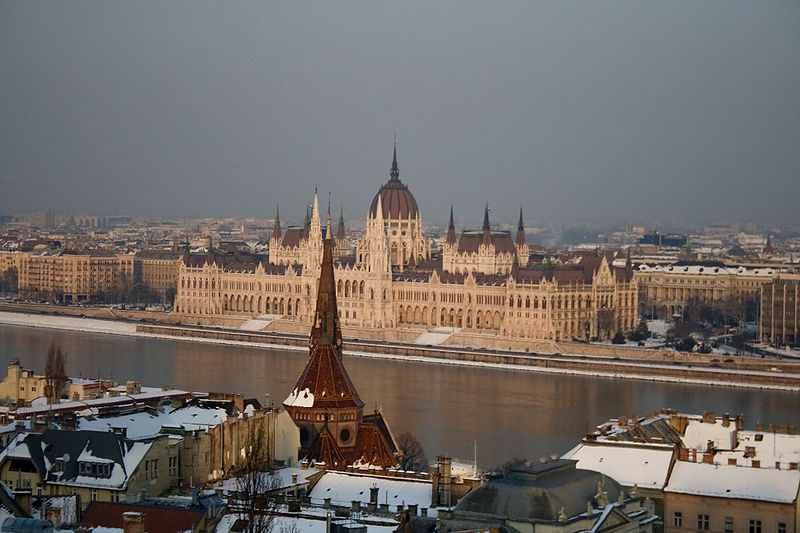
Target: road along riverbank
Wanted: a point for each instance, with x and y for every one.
(740, 373)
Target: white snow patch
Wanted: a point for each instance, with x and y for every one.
(628, 464)
(723, 481)
(300, 398)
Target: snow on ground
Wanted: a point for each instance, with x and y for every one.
(435, 336)
(122, 328)
(723, 481)
(629, 464)
(91, 325)
(257, 324)
(344, 488)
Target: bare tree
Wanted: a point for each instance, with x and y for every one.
(55, 374)
(255, 484)
(412, 453)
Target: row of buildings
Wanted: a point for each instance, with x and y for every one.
(396, 275)
(704, 472)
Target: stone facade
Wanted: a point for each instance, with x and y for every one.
(393, 282)
(665, 290)
(74, 276)
(779, 322)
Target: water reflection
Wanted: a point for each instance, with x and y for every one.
(508, 414)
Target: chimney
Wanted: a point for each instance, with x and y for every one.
(412, 509)
(133, 387)
(423, 512)
(792, 466)
(708, 458)
(132, 522)
(726, 420)
(731, 461)
(294, 479)
(756, 463)
(709, 418)
(739, 422)
(373, 495)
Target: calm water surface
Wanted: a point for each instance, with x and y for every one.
(509, 414)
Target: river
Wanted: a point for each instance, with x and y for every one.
(508, 414)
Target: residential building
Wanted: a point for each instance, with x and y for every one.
(96, 466)
(779, 321)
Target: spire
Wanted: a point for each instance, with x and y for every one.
(451, 229)
(307, 221)
(520, 230)
(276, 226)
(326, 330)
(395, 171)
(341, 234)
(379, 212)
(487, 229)
(329, 220)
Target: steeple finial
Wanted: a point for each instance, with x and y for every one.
(329, 220)
(395, 171)
(520, 229)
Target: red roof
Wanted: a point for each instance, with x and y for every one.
(156, 519)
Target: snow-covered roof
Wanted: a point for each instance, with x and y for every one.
(343, 488)
(708, 270)
(300, 398)
(723, 481)
(293, 523)
(699, 433)
(627, 463)
(277, 480)
(146, 424)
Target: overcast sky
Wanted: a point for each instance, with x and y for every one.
(657, 112)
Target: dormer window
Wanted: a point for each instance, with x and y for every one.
(102, 470)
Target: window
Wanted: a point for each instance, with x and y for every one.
(781, 527)
(755, 526)
(94, 495)
(728, 524)
(173, 466)
(677, 519)
(702, 522)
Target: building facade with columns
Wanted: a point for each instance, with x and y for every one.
(481, 283)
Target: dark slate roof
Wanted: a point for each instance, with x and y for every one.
(470, 241)
(537, 493)
(230, 261)
(57, 444)
(158, 254)
(293, 235)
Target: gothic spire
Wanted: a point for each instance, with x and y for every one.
(340, 231)
(276, 226)
(487, 229)
(451, 229)
(395, 171)
(329, 220)
(326, 330)
(520, 230)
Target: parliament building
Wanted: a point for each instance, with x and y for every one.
(481, 282)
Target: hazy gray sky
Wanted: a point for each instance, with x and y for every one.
(660, 111)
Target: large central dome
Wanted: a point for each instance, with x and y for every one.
(397, 200)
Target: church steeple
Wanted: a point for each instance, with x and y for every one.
(451, 229)
(394, 173)
(520, 230)
(326, 330)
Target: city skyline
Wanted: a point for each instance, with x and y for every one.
(580, 113)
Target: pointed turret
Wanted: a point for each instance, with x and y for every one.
(394, 173)
(487, 229)
(520, 230)
(341, 234)
(329, 221)
(276, 227)
(451, 229)
(307, 221)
